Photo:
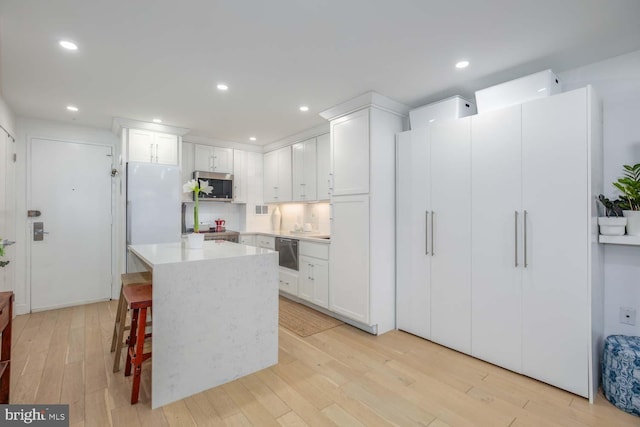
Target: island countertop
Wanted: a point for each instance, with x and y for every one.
(170, 253)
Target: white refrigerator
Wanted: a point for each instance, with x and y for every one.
(153, 206)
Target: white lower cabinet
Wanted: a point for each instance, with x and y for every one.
(288, 281)
(519, 285)
(266, 242)
(248, 239)
(313, 280)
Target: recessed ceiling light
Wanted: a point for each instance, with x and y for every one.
(157, 121)
(222, 86)
(304, 108)
(72, 108)
(432, 120)
(252, 138)
(68, 45)
(462, 64)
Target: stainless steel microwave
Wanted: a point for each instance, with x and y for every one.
(222, 184)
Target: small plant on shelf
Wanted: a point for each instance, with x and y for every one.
(629, 186)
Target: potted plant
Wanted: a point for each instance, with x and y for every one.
(629, 186)
(195, 240)
(613, 223)
(2, 263)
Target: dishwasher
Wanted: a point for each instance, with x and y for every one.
(287, 252)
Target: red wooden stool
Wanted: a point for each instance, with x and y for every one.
(138, 298)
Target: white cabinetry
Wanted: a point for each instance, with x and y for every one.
(304, 170)
(240, 176)
(213, 159)
(187, 168)
(361, 273)
(288, 281)
(535, 294)
(152, 147)
(247, 239)
(277, 175)
(350, 154)
(434, 233)
(266, 242)
(323, 166)
(313, 280)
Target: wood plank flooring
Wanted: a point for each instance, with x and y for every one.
(341, 376)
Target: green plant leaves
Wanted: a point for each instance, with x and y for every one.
(629, 186)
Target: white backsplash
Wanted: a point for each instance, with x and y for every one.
(208, 212)
(316, 214)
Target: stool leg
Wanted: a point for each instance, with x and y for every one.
(122, 326)
(137, 359)
(118, 319)
(132, 340)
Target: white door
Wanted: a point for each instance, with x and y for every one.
(271, 177)
(309, 179)
(298, 173)
(555, 278)
(496, 255)
(412, 239)
(451, 233)
(284, 175)
(7, 212)
(349, 257)
(350, 154)
(70, 184)
(323, 166)
(222, 160)
(240, 176)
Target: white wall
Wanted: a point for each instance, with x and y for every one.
(316, 214)
(617, 81)
(7, 120)
(208, 212)
(7, 195)
(27, 129)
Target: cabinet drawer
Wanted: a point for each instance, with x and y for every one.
(248, 239)
(266, 242)
(316, 250)
(288, 281)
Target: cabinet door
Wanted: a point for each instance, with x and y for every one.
(305, 281)
(271, 177)
(284, 192)
(451, 233)
(556, 274)
(289, 281)
(412, 240)
(240, 176)
(203, 157)
(496, 258)
(255, 178)
(187, 168)
(350, 154)
(298, 173)
(222, 160)
(349, 257)
(323, 166)
(141, 146)
(166, 149)
(320, 279)
(248, 239)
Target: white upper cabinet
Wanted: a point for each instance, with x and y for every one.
(323, 166)
(152, 147)
(277, 175)
(304, 170)
(187, 168)
(350, 154)
(213, 159)
(240, 176)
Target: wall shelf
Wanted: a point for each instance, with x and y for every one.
(620, 240)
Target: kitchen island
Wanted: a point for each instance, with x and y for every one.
(215, 315)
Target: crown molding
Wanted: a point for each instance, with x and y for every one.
(120, 123)
(367, 100)
(297, 137)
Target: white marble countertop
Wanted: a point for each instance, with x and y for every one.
(170, 253)
(311, 236)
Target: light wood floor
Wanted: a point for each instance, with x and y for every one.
(341, 376)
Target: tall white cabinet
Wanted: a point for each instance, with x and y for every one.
(304, 170)
(527, 241)
(361, 271)
(277, 176)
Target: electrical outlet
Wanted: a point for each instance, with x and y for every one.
(628, 315)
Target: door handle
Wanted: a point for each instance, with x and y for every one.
(433, 248)
(426, 232)
(38, 231)
(151, 153)
(515, 222)
(156, 153)
(524, 227)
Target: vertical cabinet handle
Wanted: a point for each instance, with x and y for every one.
(433, 248)
(515, 222)
(426, 232)
(151, 153)
(156, 153)
(524, 228)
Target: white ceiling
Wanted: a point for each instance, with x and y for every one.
(163, 58)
